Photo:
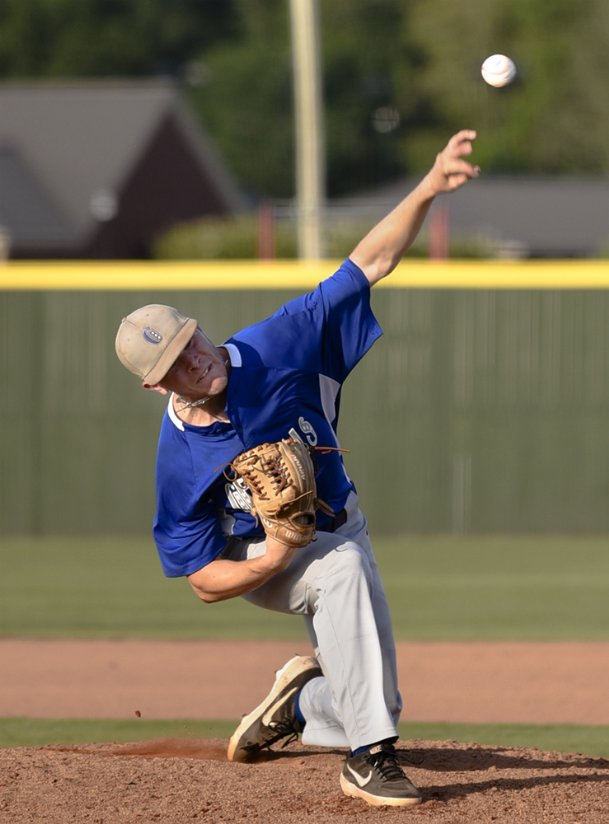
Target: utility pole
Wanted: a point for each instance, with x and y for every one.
(310, 154)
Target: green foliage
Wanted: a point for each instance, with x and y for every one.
(237, 239)
(550, 119)
(439, 589)
(398, 78)
(103, 38)
(366, 57)
(221, 239)
(246, 99)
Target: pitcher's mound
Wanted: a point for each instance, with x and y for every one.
(177, 781)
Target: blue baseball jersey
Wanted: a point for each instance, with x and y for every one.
(286, 376)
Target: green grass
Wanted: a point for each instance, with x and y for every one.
(31, 732)
(498, 588)
(36, 732)
(565, 738)
(439, 588)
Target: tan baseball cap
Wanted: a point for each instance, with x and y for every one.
(150, 340)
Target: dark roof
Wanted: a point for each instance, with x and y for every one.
(535, 216)
(561, 216)
(76, 141)
(29, 211)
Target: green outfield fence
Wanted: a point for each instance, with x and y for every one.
(485, 407)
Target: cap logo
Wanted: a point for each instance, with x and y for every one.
(151, 335)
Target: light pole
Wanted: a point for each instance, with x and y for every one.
(310, 155)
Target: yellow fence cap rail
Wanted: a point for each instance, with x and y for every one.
(297, 275)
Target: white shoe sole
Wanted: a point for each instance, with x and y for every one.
(294, 667)
(375, 800)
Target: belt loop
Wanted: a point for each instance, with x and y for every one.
(338, 520)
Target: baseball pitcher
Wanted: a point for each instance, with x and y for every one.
(253, 498)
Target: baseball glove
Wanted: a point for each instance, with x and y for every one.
(281, 480)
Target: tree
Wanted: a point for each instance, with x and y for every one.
(248, 101)
(245, 99)
(399, 77)
(553, 119)
(104, 38)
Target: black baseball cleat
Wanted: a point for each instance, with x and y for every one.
(275, 718)
(377, 778)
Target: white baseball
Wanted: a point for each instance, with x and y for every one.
(498, 70)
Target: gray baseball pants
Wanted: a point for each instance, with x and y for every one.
(335, 584)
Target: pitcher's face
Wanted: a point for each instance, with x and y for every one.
(199, 370)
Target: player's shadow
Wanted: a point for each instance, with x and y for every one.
(448, 759)
(447, 792)
(499, 758)
(295, 752)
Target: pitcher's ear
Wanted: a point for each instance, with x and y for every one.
(155, 388)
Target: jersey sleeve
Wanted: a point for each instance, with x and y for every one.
(187, 546)
(187, 530)
(326, 331)
(349, 325)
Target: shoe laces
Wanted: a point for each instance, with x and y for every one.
(386, 762)
(280, 729)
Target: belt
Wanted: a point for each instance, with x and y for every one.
(336, 521)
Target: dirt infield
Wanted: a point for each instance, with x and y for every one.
(474, 682)
(178, 781)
